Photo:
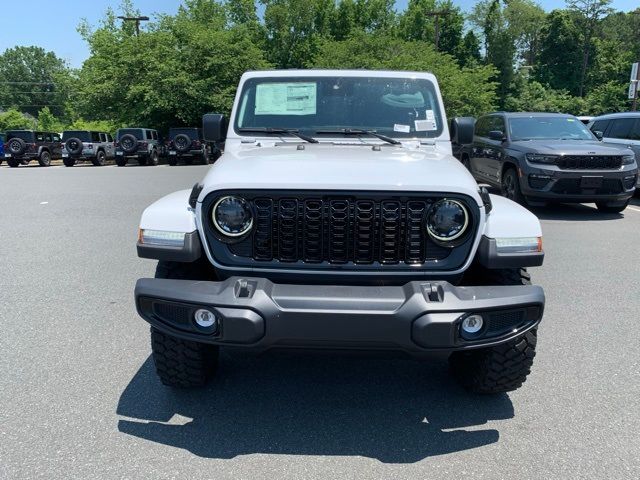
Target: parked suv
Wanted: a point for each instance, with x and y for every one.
(143, 144)
(22, 146)
(187, 144)
(2, 138)
(620, 130)
(337, 218)
(545, 157)
(86, 145)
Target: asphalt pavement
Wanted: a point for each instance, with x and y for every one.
(79, 398)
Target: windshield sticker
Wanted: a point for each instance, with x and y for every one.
(430, 116)
(286, 98)
(401, 128)
(425, 125)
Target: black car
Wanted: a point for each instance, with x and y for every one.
(187, 143)
(22, 146)
(537, 158)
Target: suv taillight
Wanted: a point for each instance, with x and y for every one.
(196, 143)
(143, 144)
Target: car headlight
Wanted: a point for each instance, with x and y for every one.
(232, 216)
(447, 221)
(628, 159)
(542, 158)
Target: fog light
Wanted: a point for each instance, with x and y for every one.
(472, 324)
(206, 319)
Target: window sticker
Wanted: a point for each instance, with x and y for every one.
(401, 128)
(431, 116)
(294, 98)
(425, 125)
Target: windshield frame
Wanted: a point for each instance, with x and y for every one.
(314, 76)
(577, 121)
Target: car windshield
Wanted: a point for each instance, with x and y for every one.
(190, 132)
(548, 128)
(26, 136)
(136, 132)
(83, 136)
(396, 107)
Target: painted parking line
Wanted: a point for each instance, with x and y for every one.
(634, 209)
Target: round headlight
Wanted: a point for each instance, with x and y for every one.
(232, 216)
(447, 220)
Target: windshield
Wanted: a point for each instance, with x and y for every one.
(190, 132)
(136, 132)
(83, 136)
(396, 107)
(548, 128)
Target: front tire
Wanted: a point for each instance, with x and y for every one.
(511, 186)
(100, 160)
(182, 363)
(606, 208)
(502, 368)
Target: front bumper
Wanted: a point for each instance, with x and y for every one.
(416, 317)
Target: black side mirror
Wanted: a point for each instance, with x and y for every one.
(462, 130)
(497, 135)
(599, 135)
(214, 127)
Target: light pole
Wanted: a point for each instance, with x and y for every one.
(137, 20)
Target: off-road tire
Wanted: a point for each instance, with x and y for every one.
(44, 159)
(13, 163)
(154, 158)
(121, 161)
(604, 208)
(69, 162)
(502, 368)
(100, 159)
(182, 363)
(511, 186)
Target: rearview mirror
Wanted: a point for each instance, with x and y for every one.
(462, 130)
(214, 127)
(497, 135)
(599, 135)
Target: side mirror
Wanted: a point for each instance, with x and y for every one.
(497, 135)
(462, 130)
(599, 135)
(214, 127)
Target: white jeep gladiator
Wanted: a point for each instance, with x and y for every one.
(337, 218)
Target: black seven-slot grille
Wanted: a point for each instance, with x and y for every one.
(578, 162)
(340, 229)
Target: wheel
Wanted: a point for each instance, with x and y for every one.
(606, 208)
(45, 159)
(121, 161)
(173, 161)
(502, 368)
(182, 363)
(511, 186)
(13, 163)
(100, 160)
(154, 158)
(69, 162)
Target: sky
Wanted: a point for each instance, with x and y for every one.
(52, 24)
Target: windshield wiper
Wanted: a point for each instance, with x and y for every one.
(359, 131)
(290, 131)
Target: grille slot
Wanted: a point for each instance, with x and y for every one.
(589, 162)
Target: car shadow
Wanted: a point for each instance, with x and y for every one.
(394, 410)
(572, 212)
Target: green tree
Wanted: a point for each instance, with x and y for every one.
(31, 77)
(13, 119)
(468, 52)
(48, 122)
(531, 96)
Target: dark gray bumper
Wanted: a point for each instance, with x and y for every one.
(415, 317)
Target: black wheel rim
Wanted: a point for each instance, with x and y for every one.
(509, 187)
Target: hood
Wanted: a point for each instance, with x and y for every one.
(340, 167)
(567, 147)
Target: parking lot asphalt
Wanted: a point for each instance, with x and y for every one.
(79, 398)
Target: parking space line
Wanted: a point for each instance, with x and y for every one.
(634, 209)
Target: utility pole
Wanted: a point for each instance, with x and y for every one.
(437, 14)
(137, 20)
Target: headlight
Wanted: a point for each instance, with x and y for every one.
(628, 159)
(447, 221)
(232, 216)
(542, 158)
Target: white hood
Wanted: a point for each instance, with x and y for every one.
(328, 166)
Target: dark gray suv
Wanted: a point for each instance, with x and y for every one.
(537, 158)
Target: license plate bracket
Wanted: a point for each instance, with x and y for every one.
(591, 182)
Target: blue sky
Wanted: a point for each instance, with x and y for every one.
(54, 27)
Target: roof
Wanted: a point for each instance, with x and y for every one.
(609, 116)
(341, 73)
(532, 114)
